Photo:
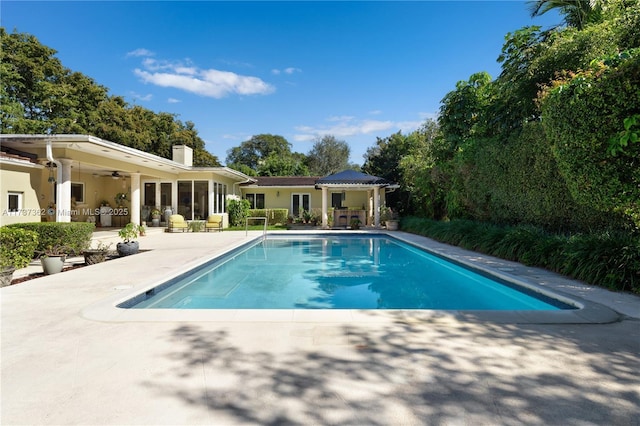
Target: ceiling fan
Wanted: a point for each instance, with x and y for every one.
(115, 175)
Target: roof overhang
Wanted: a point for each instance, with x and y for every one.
(131, 160)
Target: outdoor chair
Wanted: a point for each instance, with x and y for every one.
(213, 223)
(177, 222)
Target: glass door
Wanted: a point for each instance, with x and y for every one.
(300, 201)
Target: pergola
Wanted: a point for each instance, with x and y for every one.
(350, 180)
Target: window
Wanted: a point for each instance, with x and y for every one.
(300, 201)
(77, 192)
(336, 199)
(150, 194)
(193, 199)
(14, 202)
(256, 201)
(165, 194)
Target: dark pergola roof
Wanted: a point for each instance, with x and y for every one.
(352, 177)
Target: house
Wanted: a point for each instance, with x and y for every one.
(337, 199)
(65, 178)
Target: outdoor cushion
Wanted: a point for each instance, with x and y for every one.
(176, 221)
(214, 222)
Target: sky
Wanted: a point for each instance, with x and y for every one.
(354, 70)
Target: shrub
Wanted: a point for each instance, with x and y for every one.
(238, 210)
(580, 138)
(17, 246)
(274, 216)
(76, 236)
(609, 259)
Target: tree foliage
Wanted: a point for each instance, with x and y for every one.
(328, 155)
(549, 142)
(576, 13)
(39, 95)
(580, 139)
(256, 150)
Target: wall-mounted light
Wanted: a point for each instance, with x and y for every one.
(51, 179)
(277, 193)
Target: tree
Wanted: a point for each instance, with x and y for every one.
(328, 155)
(282, 165)
(40, 95)
(464, 110)
(255, 150)
(577, 13)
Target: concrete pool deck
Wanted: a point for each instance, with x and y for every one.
(60, 365)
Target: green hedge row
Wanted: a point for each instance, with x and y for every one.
(580, 116)
(74, 236)
(518, 181)
(606, 259)
(17, 247)
(274, 216)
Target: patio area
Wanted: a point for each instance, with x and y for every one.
(63, 365)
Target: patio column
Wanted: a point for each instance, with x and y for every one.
(135, 198)
(63, 203)
(325, 219)
(376, 206)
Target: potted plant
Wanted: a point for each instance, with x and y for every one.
(355, 223)
(129, 245)
(52, 259)
(17, 247)
(97, 254)
(389, 218)
(155, 216)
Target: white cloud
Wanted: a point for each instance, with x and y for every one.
(173, 101)
(375, 112)
(289, 70)
(347, 126)
(140, 52)
(205, 82)
(144, 98)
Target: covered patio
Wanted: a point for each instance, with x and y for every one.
(351, 180)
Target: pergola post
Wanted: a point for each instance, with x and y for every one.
(376, 206)
(325, 219)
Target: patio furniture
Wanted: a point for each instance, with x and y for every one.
(214, 223)
(177, 222)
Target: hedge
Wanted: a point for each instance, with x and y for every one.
(274, 216)
(581, 116)
(608, 259)
(74, 236)
(17, 246)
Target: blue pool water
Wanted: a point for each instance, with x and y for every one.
(337, 272)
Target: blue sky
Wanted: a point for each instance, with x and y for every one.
(354, 70)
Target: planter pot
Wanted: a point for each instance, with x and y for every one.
(91, 257)
(6, 275)
(52, 264)
(127, 249)
(155, 222)
(392, 225)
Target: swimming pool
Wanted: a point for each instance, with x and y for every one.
(337, 271)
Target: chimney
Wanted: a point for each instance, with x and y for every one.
(183, 154)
